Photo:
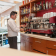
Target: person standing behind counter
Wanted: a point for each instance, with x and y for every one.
(12, 30)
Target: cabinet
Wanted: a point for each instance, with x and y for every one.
(36, 44)
(39, 45)
(51, 44)
(51, 47)
(23, 44)
(26, 43)
(51, 52)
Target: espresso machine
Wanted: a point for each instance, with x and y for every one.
(42, 26)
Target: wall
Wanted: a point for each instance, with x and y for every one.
(15, 8)
(40, 13)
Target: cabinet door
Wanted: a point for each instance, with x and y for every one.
(51, 52)
(27, 46)
(36, 45)
(43, 46)
(22, 45)
(30, 47)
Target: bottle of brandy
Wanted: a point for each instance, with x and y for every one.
(44, 5)
(40, 6)
(47, 5)
(55, 4)
(34, 7)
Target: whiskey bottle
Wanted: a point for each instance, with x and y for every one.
(40, 6)
(34, 7)
(44, 6)
(47, 5)
(37, 7)
(55, 4)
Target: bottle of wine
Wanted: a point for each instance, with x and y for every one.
(40, 6)
(44, 5)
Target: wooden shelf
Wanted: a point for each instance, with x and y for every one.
(36, 1)
(43, 10)
(24, 14)
(24, 23)
(25, 4)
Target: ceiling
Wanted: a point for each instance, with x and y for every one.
(7, 4)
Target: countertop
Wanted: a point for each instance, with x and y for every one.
(39, 36)
(13, 52)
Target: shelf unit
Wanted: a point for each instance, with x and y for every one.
(28, 4)
(2, 34)
(37, 13)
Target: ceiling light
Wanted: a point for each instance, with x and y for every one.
(6, 4)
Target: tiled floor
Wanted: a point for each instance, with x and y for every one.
(7, 46)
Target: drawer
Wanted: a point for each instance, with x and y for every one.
(51, 52)
(51, 44)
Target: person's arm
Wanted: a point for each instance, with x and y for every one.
(13, 26)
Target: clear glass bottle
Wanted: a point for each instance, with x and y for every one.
(47, 5)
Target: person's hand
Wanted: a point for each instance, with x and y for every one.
(21, 29)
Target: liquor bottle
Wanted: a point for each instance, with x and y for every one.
(50, 5)
(40, 6)
(37, 7)
(47, 5)
(34, 7)
(55, 4)
(21, 19)
(44, 6)
(29, 10)
(24, 19)
(26, 9)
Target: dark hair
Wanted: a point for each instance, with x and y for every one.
(13, 13)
